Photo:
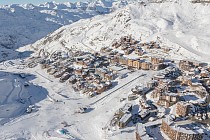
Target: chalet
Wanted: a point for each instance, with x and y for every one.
(114, 59)
(156, 60)
(159, 90)
(179, 131)
(124, 47)
(137, 64)
(186, 80)
(133, 47)
(101, 88)
(148, 46)
(50, 69)
(168, 99)
(97, 64)
(91, 88)
(72, 79)
(103, 49)
(156, 46)
(138, 90)
(198, 64)
(65, 77)
(108, 84)
(68, 63)
(115, 69)
(105, 63)
(144, 114)
(156, 93)
(84, 74)
(208, 69)
(79, 62)
(152, 84)
(143, 103)
(146, 65)
(204, 74)
(166, 50)
(141, 132)
(107, 49)
(95, 76)
(125, 39)
(126, 118)
(123, 60)
(139, 52)
(125, 109)
(128, 51)
(112, 53)
(87, 63)
(96, 81)
(206, 84)
(104, 73)
(60, 72)
(133, 41)
(77, 86)
(78, 72)
(45, 66)
(172, 89)
(109, 76)
(116, 45)
(165, 82)
(182, 109)
(185, 65)
(132, 97)
(130, 62)
(159, 66)
(199, 90)
(53, 71)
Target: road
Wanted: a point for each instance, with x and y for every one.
(106, 96)
(43, 76)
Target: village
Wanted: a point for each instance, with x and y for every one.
(94, 73)
(175, 101)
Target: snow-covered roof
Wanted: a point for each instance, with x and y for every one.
(141, 131)
(188, 128)
(125, 117)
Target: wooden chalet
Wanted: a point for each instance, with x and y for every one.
(146, 65)
(179, 131)
(168, 100)
(123, 60)
(156, 60)
(137, 64)
(130, 62)
(158, 67)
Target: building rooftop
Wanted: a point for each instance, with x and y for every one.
(141, 130)
(184, 126)
(126, 117)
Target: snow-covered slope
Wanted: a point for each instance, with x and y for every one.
(24, 24)
(180, 24)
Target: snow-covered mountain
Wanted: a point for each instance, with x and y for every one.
(35, 105)
(179, 23)
(24, 24)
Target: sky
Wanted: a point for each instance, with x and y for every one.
(36, 2)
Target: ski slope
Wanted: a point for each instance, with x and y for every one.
(186, 29)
